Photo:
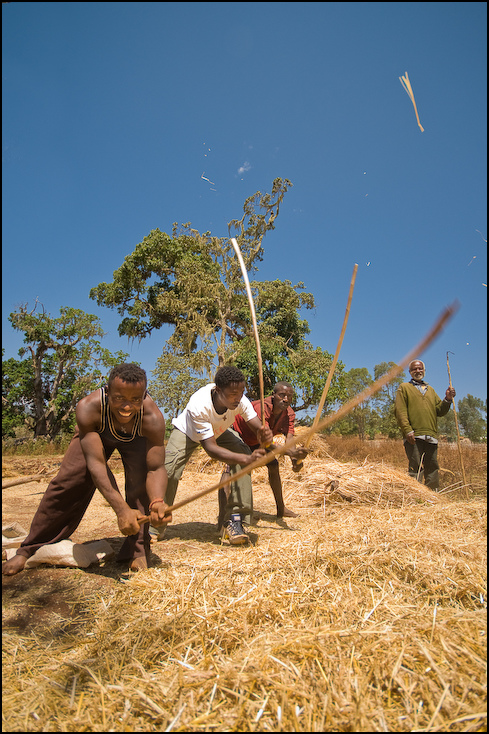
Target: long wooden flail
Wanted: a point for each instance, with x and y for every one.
(458, 433)
(298, 465)
(438, 327)
(255, 328)
(407, 86)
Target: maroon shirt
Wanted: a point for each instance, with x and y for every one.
(284, 423)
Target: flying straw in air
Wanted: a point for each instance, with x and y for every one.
(407, 86)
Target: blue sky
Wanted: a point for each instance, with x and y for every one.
(118, 116)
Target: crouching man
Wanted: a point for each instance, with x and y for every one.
(119, 416)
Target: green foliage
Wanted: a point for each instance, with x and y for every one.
(175, 381)
(471, 412)
(447, 429)
(384, 401)
(65, 362)
(17, 384)
(192, 282)
(374, 415)
(362, 420)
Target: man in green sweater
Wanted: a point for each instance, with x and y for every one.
(417, 409)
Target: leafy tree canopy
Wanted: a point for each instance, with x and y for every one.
(193, 282)
(65, 361)
(384, 401)
(472, 416)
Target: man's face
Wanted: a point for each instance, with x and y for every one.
(231, 395)
(283, 397)
(416, 370)
(125, 399)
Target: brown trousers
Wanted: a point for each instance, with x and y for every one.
(68, 495)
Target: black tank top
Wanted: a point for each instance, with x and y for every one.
(107, 428)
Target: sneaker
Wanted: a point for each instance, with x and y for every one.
(234, 531)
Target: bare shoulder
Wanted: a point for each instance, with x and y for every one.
(88, 412)
(153, 419)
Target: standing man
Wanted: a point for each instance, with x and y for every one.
(119, 416)
(417, 409)
(280, 418)
(207, 420)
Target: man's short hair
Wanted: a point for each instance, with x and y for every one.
(128, 372)
(280, 384)
(227, 375)
(416, 360)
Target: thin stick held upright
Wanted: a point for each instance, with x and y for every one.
(317, 417)
(458, 433)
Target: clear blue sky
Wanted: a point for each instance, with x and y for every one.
(118, 116)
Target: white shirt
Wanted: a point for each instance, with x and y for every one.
(200, 420)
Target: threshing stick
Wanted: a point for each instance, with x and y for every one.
(255, 328)
(333, 365)
(458, 433)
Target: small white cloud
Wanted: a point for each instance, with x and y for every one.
(245, 167)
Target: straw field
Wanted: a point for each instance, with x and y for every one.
(365, 613)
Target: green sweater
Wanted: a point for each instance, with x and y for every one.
(417, 412)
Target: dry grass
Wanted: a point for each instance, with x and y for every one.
(357, 616)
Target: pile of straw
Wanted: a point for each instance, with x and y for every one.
(330, 481)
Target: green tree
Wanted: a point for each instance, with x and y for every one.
(447, 429)
(362, 420)
(286, 353)
(471, 412)
(175, 381)
(193, 283)
(66, 362)
(384, 401)
(17, 383)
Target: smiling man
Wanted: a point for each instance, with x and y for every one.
(417, 409)
(206, 421)
(119, 416)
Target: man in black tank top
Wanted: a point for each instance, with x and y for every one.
(121, 416)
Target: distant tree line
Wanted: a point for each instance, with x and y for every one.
(193, 283)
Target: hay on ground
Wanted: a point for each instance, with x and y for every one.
(327, 481)
(352, 617)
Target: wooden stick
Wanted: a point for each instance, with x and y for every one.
(25, 480)
(298, 465)
(255, 327)
(439, 325)
(458, 433)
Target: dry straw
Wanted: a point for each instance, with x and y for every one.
(353, 617)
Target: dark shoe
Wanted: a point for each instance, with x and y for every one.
(234, 531)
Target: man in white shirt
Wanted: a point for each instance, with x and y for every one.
(207, 420)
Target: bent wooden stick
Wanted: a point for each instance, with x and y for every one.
(255, 326)
(298, 465)
(438, 327)
(458, 433)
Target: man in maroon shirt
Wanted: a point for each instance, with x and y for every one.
(280, 417)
